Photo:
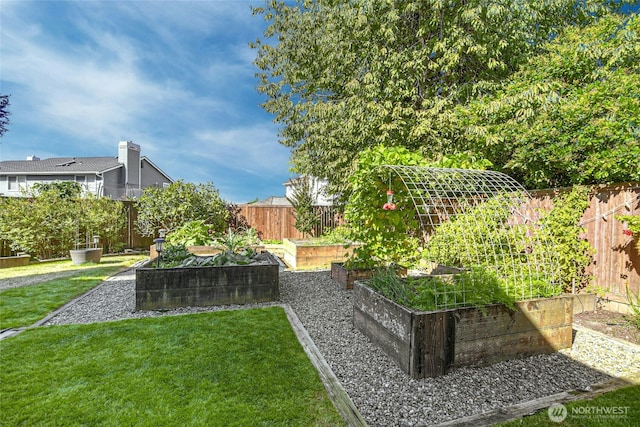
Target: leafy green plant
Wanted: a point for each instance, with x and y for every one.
(389, 284)
(336, 235)
(57, 218)
(482, 236)
(477, 287)
(388, 236)
(237, 241)
(632, 226)
(192, 233)
(632, 221)
(634, 305)
(174, 254)
(561, 228)
(245, 257)
(236, 248)
(271, 241)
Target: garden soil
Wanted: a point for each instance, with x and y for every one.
(615, 325)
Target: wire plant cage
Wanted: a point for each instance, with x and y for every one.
(481, 226)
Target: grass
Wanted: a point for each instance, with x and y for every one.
(230, 368)
(618, 408)
(25, 305)
(59, 266)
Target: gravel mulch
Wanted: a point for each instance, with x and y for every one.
(384, 395)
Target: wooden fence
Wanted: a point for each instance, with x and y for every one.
(616, 262)
(278, 222)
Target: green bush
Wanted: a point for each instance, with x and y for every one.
(171, 207)
(560, 226)
(58, 218)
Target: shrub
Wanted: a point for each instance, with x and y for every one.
(57, 218)
(171, 207)
(561, 226)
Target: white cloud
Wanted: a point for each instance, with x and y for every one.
(251, 149)
(174, 76)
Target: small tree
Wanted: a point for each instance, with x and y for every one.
(302, 201)
(103, 217)
(177, 204)
(42, 225)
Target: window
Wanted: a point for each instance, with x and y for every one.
(13, 183)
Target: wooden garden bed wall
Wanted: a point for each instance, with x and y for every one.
(430, 344)
(616, 261)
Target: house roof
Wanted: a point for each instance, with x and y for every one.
(273, 201)
(60, 165)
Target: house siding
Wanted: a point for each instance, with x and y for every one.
(102, 176)
(151, 177)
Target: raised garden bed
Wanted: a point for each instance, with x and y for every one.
(306, 254)
(345, 277)
(168, 288)
(14, 261)
(430, 344)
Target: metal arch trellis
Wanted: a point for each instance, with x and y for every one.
(472, 219)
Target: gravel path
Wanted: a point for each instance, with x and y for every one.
(384, 395)
(17, 282)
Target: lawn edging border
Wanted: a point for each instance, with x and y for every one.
(337, 393)
(531, 407)
(9, 332)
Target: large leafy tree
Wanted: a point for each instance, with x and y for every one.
(347, 74)
(340, 76)
(571, 115)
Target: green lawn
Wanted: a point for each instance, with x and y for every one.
(620, 408)
(26, 305)
(241, 368)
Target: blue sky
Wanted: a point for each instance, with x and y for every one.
(175, 77)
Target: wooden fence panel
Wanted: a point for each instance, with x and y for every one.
(616, 261)
(278, 222)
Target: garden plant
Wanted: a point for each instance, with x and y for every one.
(236, 247)
(176, 205)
